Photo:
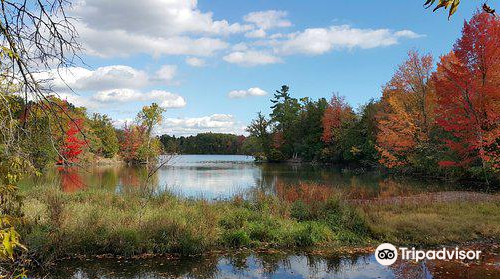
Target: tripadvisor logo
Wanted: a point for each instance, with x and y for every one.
(387, 254)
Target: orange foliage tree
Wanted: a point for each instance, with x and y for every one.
(468, 92)
(407, 112)
(132, 139)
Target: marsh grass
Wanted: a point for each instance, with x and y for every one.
(429, 224)
(96, 221)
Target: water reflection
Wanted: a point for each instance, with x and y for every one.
(230, 266)
(275, 265)
(223, 176)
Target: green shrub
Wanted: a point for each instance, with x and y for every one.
(236, 218)
(236, 238)
(311, 233)
(300, 211)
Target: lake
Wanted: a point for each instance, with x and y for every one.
(224, 176)
(246, 265)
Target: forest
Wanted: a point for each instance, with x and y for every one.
(210, 143)
(440, 121)
(70, 136)
(434, 119)
(437, 117)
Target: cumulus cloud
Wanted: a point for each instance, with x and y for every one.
(258, 33)
(240, 47)
(316, 41)
(195, 62)
(152, 17)
(164, 98)
(112, 84)
(112, 43)
(268, 19)
(251, 58)
(156, 27)
(78, 78)
(217, 123)
(104, 78)
(254, 91)
(166, 73)
(79, 100)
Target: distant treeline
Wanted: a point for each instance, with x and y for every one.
(209, 143)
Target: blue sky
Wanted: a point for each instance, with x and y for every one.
(211, 63)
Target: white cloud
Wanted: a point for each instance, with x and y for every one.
(152, 17)
(164, 98)
(254, 91)
(408, 34)
(156, 27)
(217, 123)
(104, 86)
(79, 100)
(251, 58)
(166, 73)
(120, 123)
(315, 41)
(268, 19)
(258, 33)
(102, 78)
(240, 47)
(195, 62)
(112, 43)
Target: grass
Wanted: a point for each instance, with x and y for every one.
(431, 224)
(96, 222)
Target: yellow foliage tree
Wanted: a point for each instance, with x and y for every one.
(407, 113)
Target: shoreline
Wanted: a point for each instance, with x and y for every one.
(96, 222)
(483, 245)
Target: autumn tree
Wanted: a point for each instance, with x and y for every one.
(468, 95)
(148, 118)
(452, 6)
(72, 145)
(407, 116)
(132, 138)
(106, 142)
(338, 114)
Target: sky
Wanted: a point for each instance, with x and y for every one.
(213, 64)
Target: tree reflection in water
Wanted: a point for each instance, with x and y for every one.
(70, 179)
(241, 265)
(217, 176)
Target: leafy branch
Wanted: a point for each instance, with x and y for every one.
(452, 5)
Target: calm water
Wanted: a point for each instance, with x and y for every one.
(297, 266)
(223, 176)
(219, 176)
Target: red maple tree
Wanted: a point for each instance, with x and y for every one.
(337, 113)
(72, 145)
(468, 92)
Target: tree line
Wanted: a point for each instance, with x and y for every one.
(438, 121)
(70, 136)
(209, 143)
